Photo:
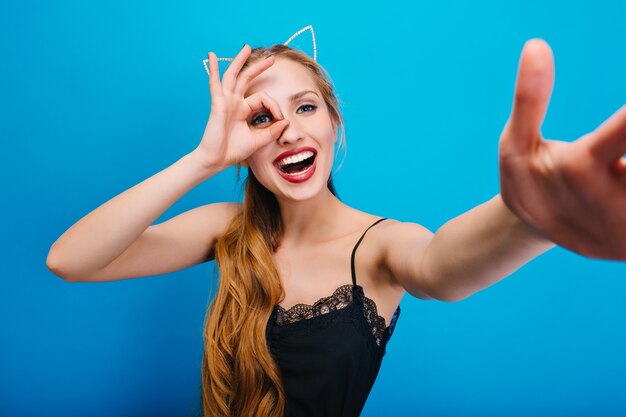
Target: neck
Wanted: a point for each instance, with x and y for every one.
(309, 221)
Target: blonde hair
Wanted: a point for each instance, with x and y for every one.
(239, 376)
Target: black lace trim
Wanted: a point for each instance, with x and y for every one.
(377, 323)
(341, 298)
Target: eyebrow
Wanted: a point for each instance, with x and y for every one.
(300, 94)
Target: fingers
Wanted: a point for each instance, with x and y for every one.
(608, 141)
(235, 82)
(250, 73)
(535, 79)
(230, 76)
(214, 76)
(272, 132)
(261, 100)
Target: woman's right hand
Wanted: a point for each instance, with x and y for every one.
(229, 136)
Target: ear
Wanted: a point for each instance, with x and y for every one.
(335, 125)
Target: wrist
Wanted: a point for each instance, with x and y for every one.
(199, 166)
(526, 229)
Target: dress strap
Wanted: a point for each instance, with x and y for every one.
(357, 245)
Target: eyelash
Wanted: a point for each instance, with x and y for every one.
(253, 123)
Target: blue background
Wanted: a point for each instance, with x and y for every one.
(98, 96)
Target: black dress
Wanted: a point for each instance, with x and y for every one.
(329, 353)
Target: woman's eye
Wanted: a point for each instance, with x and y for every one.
(310, 106)
(266, 118)
(262, 118)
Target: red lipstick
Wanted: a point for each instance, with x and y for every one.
(293, 152)
(301, 176)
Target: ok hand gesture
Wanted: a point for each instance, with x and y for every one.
(228, 137)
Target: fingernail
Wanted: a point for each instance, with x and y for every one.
(243, 46)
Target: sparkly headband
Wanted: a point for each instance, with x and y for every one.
(206, 61)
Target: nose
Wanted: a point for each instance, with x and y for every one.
(291, 134)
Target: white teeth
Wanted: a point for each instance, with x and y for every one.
(295, 158)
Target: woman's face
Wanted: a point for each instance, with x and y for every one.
(311, 133)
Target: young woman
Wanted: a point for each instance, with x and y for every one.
(301, 318)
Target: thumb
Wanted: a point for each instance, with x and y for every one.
(533, 88)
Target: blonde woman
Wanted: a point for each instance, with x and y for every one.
(301, 318)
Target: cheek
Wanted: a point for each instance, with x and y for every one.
(262, 166)
(257, 168)
(323, 130)
(259, 158)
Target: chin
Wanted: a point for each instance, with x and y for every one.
(299, 194)
(302, 191)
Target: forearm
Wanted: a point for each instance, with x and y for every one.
(107, 231)
(479, 248)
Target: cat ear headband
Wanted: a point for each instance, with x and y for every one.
(206, 61)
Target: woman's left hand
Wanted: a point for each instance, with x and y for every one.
(571, 193)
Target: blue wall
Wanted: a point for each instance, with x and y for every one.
(98, 96)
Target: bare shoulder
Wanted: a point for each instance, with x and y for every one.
(400, 246)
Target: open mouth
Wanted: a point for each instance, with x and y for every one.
(296, 164)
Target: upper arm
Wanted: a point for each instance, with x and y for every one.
(183, 241)
(404, 246)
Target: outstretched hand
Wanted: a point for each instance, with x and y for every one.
(571, 193)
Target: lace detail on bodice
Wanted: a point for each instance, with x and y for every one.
(378, 322)
(341, 298)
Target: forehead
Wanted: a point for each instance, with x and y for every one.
(284, 78)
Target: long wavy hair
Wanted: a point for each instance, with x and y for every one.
(239, 376)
